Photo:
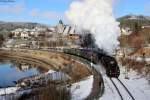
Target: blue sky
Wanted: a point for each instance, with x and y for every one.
(124, 7)
(50, 11)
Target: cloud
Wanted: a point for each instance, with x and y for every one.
(16, 9)
(46, 14)
(34, 13)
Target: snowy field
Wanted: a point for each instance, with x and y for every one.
(80, 90)
(136, 84)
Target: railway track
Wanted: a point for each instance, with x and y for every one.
(126, 89)
(121, 97)
(122, 90)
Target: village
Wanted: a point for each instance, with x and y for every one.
(57, 36)
(66, 36)
(35, 45)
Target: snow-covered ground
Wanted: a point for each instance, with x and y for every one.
(110, 92)
(9, 90)
(147, 59)
(80, 90)
(136, 84)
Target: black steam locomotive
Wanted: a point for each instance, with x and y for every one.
(96, 56)
(111, 66)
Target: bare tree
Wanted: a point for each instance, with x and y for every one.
(1, 40)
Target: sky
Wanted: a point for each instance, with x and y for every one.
(50, 11)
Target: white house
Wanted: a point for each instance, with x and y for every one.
(24, 35)
(126, 31)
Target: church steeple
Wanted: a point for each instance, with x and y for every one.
(60, 22)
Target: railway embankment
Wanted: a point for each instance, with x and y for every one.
(98, 85)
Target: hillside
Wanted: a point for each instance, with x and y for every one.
(132, 20)
(140, 36)
(6, 27)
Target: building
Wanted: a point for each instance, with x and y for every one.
(69, 30)
(24, 35)
(146, 27)
(126, 31)
(60, 27)
(23, 67)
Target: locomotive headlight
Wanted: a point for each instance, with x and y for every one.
(112, 62)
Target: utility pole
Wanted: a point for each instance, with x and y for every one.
(126, 67)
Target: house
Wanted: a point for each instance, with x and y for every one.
(126, 31)
(24, 35)
(23, 67)
(72, 40)
(73, 36)
(146, 27)
(68, 30)
(16, 33)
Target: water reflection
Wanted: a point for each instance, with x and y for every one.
(11, 71)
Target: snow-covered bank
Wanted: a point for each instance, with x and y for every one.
(9, 90)
(82, 89)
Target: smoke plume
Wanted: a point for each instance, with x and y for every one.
(97, 17)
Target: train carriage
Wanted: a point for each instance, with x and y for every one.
(110, 63)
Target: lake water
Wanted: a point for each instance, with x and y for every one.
(11, 71)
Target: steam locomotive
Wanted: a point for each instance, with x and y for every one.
(111, 66)
(96, 56)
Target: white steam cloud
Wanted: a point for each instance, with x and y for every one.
(97, 17)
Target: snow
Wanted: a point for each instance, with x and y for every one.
(56, 76)
(50, 71)
(123, 92)
(147, 59)
(14, 93)
(110, 92)
(82, 89)
(8, 90)
(137, 84)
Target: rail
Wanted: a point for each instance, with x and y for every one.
(119, 91)
(126, 89)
